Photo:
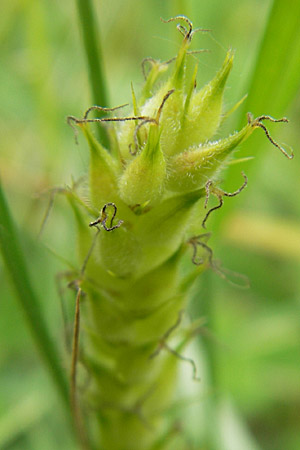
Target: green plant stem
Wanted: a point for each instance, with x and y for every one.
(92, 47)
(16, 265)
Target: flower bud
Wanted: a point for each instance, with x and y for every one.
(171, 115)
(204, 112)
(143, 180)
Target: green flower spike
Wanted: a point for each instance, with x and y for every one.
(147, 209)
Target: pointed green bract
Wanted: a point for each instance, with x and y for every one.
(103, 171)
(191, 169)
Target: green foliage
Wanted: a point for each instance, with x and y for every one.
(17, 268)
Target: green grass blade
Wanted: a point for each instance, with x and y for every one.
(20, 418)
(15, 263)
(93, 53)
(272, 86)
(275, 79)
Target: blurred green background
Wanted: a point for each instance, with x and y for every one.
(249, 352)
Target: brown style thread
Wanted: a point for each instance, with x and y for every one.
(220, 194)
(103, 218)
(257, 123)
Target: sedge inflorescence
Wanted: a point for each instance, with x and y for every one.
(146, 212)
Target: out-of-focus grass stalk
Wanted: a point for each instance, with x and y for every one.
(93, 53)
(274, 81)
(180, 7)
(272, 86)
(22, 416)
(15, 263)
(40, 77)
(275, 77)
